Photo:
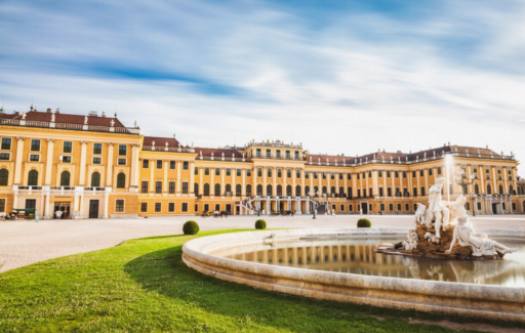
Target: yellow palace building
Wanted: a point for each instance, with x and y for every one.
(91, 166)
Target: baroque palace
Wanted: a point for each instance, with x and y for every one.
(93, 166)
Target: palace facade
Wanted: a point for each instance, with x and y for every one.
(90, 166)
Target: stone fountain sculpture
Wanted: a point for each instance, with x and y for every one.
(443, 230)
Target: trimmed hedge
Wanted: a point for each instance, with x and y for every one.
(364, 223)
(260, 224)
(190, 228)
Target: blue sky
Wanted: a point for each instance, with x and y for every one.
(339, 76)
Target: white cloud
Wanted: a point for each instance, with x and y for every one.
(331, 88)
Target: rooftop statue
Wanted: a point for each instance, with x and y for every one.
(443, 230)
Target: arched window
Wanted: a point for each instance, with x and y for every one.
(4, 177)
(259, 190)
(206, 189)
(65, 178)
(341, 191)
(298, 190)
(217, 190)
(95, 179)
(307, 191)
(289, 190)
(489, 189)
(238, 190)
(324, 190)
(248, 190)
(279, 190)
(316, 191)
(269, 190)
(511, 190)
(121, 180)
(196, 189)
(32, 178)
(476, 189)
(500, 189)
(332, 190)
(228, 189)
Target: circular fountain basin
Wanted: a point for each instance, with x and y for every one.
(342, 265)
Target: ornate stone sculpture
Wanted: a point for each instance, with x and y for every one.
(443, 230)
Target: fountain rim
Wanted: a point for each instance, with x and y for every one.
(199, 250)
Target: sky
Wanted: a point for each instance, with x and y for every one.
(346, 77)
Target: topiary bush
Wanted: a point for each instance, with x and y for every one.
(364, 223)
(260, 224)
(190, 228)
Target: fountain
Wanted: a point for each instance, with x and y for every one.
(443, 229)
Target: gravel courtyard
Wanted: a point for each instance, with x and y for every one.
(23, 243)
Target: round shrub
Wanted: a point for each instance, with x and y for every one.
(260, 224)
(190, 228)
(364, 223)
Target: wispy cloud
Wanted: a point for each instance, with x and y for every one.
(348, 76)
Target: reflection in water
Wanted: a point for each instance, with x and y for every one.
(362, 259)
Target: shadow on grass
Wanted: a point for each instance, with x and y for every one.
(164, 272)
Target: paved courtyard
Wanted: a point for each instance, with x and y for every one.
(23, 243)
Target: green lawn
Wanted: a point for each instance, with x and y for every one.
(143, 286)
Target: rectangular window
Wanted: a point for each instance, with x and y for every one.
(228, 172)
(35, 145)
(184, 206)
(34, 157)
(185, 187)
(143, 207)
(185, 165)
(217, 172)
(158, 187)
(171, 207)
(238, 172)
(6, 144)
(430, 172)
(159, 164)
(122, 150)
(97, 149)
(171, 187)
(121, 161)
(97, 160)
(66, 159)
(206, 172)
(119, 206)
(4, 156)
(68, 147)
(248, 173)
(144, 187)
(172, 165)
(158, 207)
(2, 205)
(145, 164)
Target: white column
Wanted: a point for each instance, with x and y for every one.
(151, 176)
(223, 182)
(243, 183)
(179, 178)
(49, 163)
(106, 203)
(201, 181)
(134, 184)
(83, 158)
(165, 177)
(234, 181)
(19, 160)
(192, 178)
(109, 166)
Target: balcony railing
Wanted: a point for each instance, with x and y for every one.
(69, 126)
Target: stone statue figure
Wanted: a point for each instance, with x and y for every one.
(442, 230)
(437, 212)
(481, 245)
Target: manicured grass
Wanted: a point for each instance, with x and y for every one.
(143, 286)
